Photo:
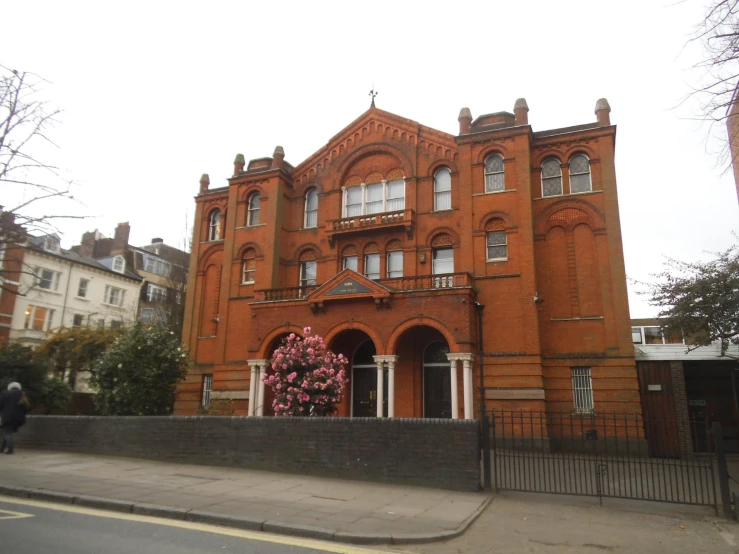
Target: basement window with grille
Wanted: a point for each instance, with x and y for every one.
(207, 389)
(582, 390)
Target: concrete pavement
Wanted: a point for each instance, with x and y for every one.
(321, 508)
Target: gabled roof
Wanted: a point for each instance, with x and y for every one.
(347, 285)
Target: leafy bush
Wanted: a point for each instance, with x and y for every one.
(138, 374)
(20, 363)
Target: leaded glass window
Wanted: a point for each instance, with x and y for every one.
(254, 205)
(551, 178)
(497, 245)
(494, 173)
(580, 174)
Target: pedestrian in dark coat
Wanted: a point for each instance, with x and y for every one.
(13, 408)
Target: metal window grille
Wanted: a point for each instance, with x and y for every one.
(207, 388)
(582, 390)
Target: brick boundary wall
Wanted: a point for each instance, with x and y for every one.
(682, 414)
(427, 452)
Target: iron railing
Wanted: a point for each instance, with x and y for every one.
(603, 455)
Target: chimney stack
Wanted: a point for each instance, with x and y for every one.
(602, 112)
(157, 240)
(278, 157)
(239, 164)
(521, 112)
(87, 244)
(465, 121)
(120, 240)
(204, 183)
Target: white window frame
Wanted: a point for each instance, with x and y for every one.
(304, 281)
(588, 173)
(53, 280)
(356, 262)
(310, 217)
(207, 389)
(155, 293)
(488, 245)
(156, 266)
(582, 390)
(642, 330)
(214, 228)
(244, 271)
(252, 216)
(440, 194)
(147, 315)
(561, 184)
(376, 275)
(119, 264)
(394, 274)
(51, 244)
(30, 317)
(82, 289)
(385, 198)
(434, 260)
(81, 318)
(502, 172)
(108, 299)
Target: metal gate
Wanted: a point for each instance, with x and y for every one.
(603, 455)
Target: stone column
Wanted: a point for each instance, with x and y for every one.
(260, 404)
(391, 361)
(453, 369)
(380, 380)
(254, 366)
(467, 360)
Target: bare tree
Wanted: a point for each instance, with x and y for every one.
(30, 185)
(719, 35)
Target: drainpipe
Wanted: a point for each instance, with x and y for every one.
(66, 294)
(480, 355)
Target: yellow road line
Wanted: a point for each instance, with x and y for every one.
(7, 514)
(324, 546)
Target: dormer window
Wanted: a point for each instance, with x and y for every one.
(119, 264)
(51, 244)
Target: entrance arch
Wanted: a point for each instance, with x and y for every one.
(437, 381)
(359, 349)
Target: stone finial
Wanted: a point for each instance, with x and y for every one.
(278, 156)
(465, 121)
(239, 163)
(602, 112)
(204, 183)
(521, 112)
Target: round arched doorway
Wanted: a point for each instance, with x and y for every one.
(437, 381)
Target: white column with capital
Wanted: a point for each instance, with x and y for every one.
(380, 384)
(253, 394)
(467, 384)
(391, 385)
(453, 373)
(260, 376)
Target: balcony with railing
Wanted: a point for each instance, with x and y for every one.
(378, 221)
(419, 283)
(284, 294)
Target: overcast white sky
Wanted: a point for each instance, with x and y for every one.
(156, 93)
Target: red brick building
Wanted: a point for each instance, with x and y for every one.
(385, 242)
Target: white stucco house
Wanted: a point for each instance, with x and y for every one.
(61, 288)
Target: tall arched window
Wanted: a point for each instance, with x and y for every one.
(443, 189)
(372, 261)
(311, 210)
(580, 174)
(214, 232)
(494, 173)
(253, 217)
(248, 266)
(551, 178)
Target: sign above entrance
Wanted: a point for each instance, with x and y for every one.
(348, 286)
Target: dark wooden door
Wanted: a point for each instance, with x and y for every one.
(437, 392)
(365, 392)
(658, 408)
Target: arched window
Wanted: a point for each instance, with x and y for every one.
(551, 178)
(580, 174)
(364, 355)
(248, 266)
(253, 217)
(311, 210)
(496, 240)
(443, 189)
(308, 268)
(350, 258)
(494, 173)
(214, 232)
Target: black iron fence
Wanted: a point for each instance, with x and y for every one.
(603, 455)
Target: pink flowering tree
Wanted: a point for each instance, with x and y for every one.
(307, 379)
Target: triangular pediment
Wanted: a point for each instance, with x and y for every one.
(375, 125)
(348, 285)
